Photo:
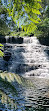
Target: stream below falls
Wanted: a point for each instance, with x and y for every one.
(28, 72)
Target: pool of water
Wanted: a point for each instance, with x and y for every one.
(28, 98)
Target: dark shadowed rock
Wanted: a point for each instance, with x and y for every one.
(7, 46)
(14, 40)
(7, 55)
(9, 40)
(44, 40)
(20, 40)
(17, 40)
(2, 39)
(31, 35)
(1, 110)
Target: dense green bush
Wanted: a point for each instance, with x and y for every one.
(43, 27)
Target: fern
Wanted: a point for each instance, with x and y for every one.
(30, 8)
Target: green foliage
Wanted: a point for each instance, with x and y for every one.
(23, 11)
(12, 77)
(44, 3)
(1, 45)
(3, 27)
(1, 53)
(47, 12)
(3, 10)
(43, 26)
(28, 9)
(7, 85)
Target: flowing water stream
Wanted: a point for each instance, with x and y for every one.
(30, 60)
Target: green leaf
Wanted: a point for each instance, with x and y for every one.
(1, 53)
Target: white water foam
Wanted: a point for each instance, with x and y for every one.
(29, 58)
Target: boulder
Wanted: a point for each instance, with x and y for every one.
(18, 40)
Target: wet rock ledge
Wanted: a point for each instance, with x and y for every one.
(11, 39)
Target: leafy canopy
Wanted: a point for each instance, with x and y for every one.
(27, 10)
(43, 26)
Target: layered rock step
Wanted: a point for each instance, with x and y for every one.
(29, 58)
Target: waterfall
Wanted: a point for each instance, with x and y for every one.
(6, 37)
(28, 58)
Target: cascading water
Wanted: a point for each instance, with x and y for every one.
(28, 59)
(31, 60)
